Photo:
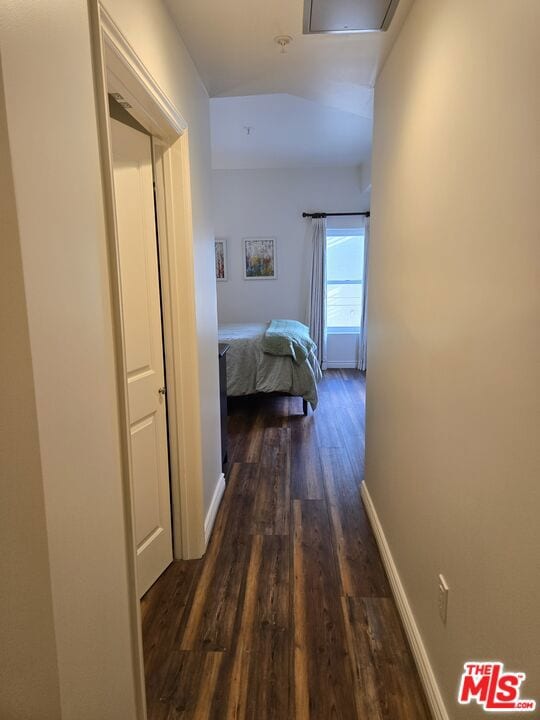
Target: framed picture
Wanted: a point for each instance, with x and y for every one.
(220, 248)
(259, 256)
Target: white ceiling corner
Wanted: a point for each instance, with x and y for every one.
(232, 45)
(285, 131)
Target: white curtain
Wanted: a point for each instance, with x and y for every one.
(316, 316)
(362, 349)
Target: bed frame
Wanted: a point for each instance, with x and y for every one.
(305, 404)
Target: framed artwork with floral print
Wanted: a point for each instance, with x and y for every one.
(259, 258)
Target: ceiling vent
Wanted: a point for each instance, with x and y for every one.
(347, 16)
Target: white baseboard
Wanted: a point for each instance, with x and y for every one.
(214, 507)
(421, 658)
(340, 364)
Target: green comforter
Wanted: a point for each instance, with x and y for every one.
(250, 370)
(288, 337)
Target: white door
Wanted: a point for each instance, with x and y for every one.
(133, 188)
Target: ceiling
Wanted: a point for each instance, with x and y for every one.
(285, 131)
(232, 45)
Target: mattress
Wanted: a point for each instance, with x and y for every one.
(251, 371)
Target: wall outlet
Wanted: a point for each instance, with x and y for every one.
(443, 598)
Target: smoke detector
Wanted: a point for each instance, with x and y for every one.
(283, 41)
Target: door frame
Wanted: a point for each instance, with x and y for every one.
(118, 69)
(123, 72)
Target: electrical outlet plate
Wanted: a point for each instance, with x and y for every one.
(443, 599)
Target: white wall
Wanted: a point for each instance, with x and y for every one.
(53, 143)
(259, 203)
(453, 391)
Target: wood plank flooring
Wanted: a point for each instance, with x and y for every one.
(289, 615)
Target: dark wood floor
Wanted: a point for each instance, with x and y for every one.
(289, 615)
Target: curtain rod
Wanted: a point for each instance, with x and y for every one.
(323, 215)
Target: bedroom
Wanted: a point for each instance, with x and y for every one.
(269, 203)
(276, 157)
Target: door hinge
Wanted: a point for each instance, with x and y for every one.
(162, 391)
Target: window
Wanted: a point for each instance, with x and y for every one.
(344, 279)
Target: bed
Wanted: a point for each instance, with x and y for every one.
(250, 370)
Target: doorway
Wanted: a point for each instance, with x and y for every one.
(143, 344)
(120, 72)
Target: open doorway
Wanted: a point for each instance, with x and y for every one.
(146, 175)
(158, 128)
(140, 298)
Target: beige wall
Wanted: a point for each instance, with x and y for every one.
(53, 141)
(28, 665)
(57, 179)
(453, 411)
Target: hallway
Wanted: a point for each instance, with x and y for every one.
(289, 615)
